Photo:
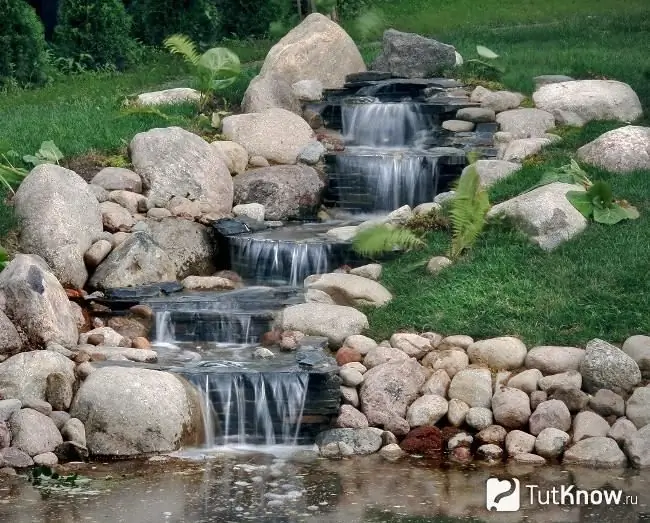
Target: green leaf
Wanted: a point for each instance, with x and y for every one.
(610, 215)
(49, 152)
(484, 52)
(221, 61)
(631, 211)
(34, 160)
(582, 202)
(182, 45)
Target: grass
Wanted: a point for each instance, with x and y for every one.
(595, 285)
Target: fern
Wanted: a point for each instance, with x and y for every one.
(182, 45)
(468, 209)
(381, 239)
(4, 258)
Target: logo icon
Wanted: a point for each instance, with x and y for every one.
(502, 494)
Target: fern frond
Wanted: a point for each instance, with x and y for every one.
(383, 239)
(183, 45)
(4, 258)
(468, 210)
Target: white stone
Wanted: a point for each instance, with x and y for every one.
(176, 95)
(254, 211)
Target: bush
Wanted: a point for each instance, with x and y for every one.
(96, 33)
(155, 20)
(244, 18)
(22, 44)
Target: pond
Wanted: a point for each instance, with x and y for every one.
(300, 487)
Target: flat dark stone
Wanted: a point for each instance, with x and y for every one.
(369, 76)
(310, 357)
(231, 226)
(143, 291)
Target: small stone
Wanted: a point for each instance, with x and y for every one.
(572, 379)
(519, 442)
(494, 434)
(607, 403)
(551, 442)
(351, 377)
(638, 348)
(158, 213)
(349, 395)
(426, 410)
(526, 458)
(458, 126)
(462, 439)
(637, 447)
(347, 355)
(621, 430)
(290, 340)
(391, 452)
(551, 413)
(438, 384)
(473, 386)
(263, 353)
(351, 418)
(381, 354)
(413, 345)
(598, 452)
(537, 397)
(526, 380)
(312, 153)
(33, 433)
(457, 412)
(254, 211)
(608, 367)
(38, 405)
(58, 391)
(479, 418)
(47, 459)
(490, 452)
(97, 253)
(8, 407)
(434, 338)
(573, 398)
(356, 366)
(637, 409)
(84, 370)
(437, 264)
(476, 115)
(371, 271)
(511, 407)
(59, 417)
(336, 450)
(140, 342)
(8, 471)
(451, 361)
(16, 458)
(589, 425)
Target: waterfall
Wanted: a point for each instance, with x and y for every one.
(252, 408)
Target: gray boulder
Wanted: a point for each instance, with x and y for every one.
(189, 245)
(137, 261)
(176, 162)
(275, 134)
(519, 442)
(336, 322)
(638, 348)
(132, 411)
(59, 220)
(316, 49)
(413, 56)
(581, 101)
(118, 179)
(551, 413)
(491, 171)
(479, 418)
(589, 425)
(33, 432)
(621, 430)
(363, 441)
(544, 214)
(599, 452)
(621, 151)
(608, 367)
(350, 290)
(637, 408)
(607, 403)
(10, 341)
(286, 191)
(525, 123)
(498, 101)
(233, 154)
(554, 360)
(551, 442)
(389, 389)
(511, 407)
(35, 302)
(637, 448)
(24, 376)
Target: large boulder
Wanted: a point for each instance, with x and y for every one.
(131, 411)
(389, 389)
(24, 376)
(525, 123)
(10, 341)
(136, 261)
(336, 322)
(580, 101)
(316, 49)
(35, 301)
(286, 191)
(348, 289)
(275, 134)
(59, 220)
(189, 245)
(176, 162)
(413, 56)
(621, 150)
(608, 367)
(544, 214)
(598, 452)
(34, 433)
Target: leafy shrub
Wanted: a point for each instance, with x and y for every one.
(382, 239)
(483, 67)
(252, 18)
(155, 20)
(95, 33)
(22, 44)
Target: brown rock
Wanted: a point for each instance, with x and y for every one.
(140, 342)
(131, 326)
(271, 338)
(96, 339)
(427, 441)
(348, 355)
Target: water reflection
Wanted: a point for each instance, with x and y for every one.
(263, 488)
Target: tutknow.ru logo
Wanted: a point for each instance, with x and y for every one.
(504, 495)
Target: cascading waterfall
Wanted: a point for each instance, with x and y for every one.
(250, 408)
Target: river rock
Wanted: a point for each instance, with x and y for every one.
(479, 418)
(498, 353)
(473, 386)
(363, 441)
(458, 126)
(638, 348)
(637, 448)
(637, 409)
(360, 343)
(47, 459)
(350, 290)
(425, 441)
(457, 412)
(607, 403)
(519, 442)
(554, 360)
(498, 101)
(520, 149)
(476, 115)
(108, 337)
(621, 430)
(33, 432)
(16, 458)
(511, 407)
(177, 95)
(413, 56)
(608, 367)
(494, 434)
(136, 261)
(544, 214)
(164, 412)
(489, 452)
(571, 379)
(351, 418)
(8, 407)
(599, 452)
(59, 391)
(581, 101)
(176, 162)
(437, 384)
(10, 341)
(391, 452)
(572, 397)
(97, 253)
(426, 410)
(234, 155)
(527, 380)
(350, 396)
(452, 361)
(117, 179)
(351, 377)
(551, 413)
(59, 220)
(621, 151)
(414, 345)
(491, 171)
(132, 202)
(254, 211)
(525, 123)
(286, 191)
(551, 442)
(316, 49)
(389, 389)
(589, 425)
(460, 341)
(382, 354)
(189, 245)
